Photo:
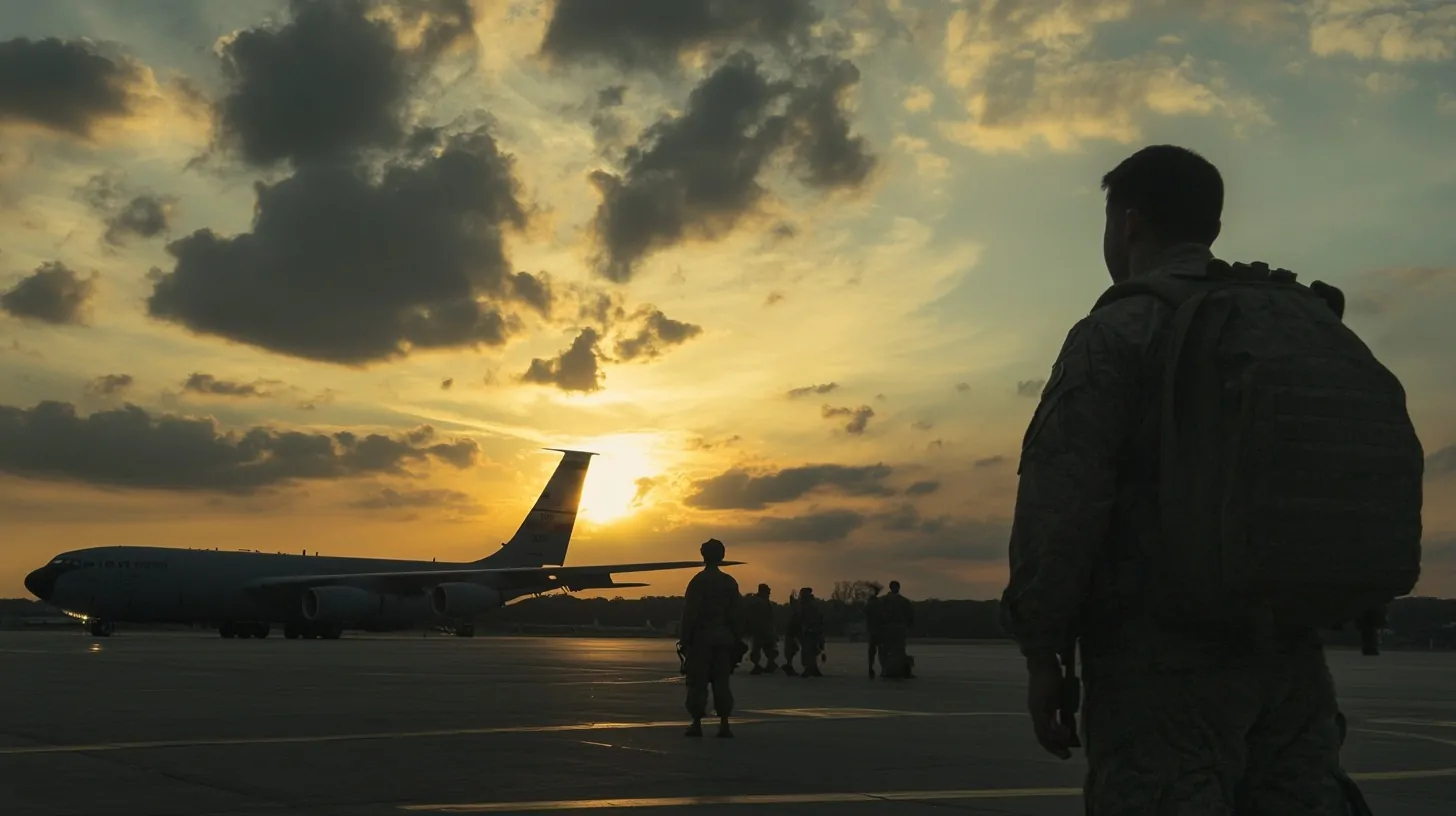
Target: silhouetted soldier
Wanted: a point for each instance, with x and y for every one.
(759, 621)
(811, 632)
(791, 635)
(710, 639)
(873, 625)
(1217, 467)
(897, 615)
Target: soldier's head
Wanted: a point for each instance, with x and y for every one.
(894, 587)
(806, 592)
(763, 590)
(712, 551)
(1159, 196)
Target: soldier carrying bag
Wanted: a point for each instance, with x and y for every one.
(1290, 475)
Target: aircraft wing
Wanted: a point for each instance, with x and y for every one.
(535, 579)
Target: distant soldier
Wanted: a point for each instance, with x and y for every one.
(710, 639)
(759, 621)
(897, 615)
(873, 624)
(811, 632)
(791, 635)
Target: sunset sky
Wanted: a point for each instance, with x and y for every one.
(290, 275)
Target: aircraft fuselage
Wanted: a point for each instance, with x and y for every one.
(165, 585)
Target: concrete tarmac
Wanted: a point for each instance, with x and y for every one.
(151, 724)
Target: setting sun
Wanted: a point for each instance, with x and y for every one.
(611, 484)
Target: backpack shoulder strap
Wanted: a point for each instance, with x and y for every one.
(1174, 291)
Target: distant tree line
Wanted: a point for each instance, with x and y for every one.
(1412, 623)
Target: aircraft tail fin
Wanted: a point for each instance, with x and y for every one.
(545, 533)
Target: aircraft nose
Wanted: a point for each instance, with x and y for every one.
(41, 583)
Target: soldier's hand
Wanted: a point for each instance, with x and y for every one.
(1043, 699)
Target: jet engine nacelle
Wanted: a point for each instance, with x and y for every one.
(463, 600)
(340, 604)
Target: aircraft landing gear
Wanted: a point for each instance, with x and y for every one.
(313, 631)
(243, 630)
(101, 628)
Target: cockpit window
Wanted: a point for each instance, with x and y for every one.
(67, 562)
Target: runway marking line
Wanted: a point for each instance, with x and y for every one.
(784, 715)
(861, 797)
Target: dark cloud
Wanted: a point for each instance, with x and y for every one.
(963, 387)
(923, 488)
(922, 425)
(576, 369)
(145, 215)
(739, 489)
(810, 390)
(821, 527)
(1030, 388)
(952, 539)
(333, 80)
(391, 499)
(773, 297)
(695, 176)
(907, 518)
(1442, 461)
(127, 447)
(65, 87)
(825, 154)
(347, 269)
(859, 418)
(207, 384)
(990, 461)
(654, 34)
(645, 486)
(53, 293)
(655, 335)
(704, 444)
(110, 384)
(447, 384)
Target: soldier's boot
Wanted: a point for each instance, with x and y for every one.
(789, 670)
(694, 730)
(724, 732)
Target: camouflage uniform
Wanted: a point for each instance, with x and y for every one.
(897, 615)
(1174, 722)
(873, 631)
(811, 633)
(791, 636)
(759, 619)
(710, 639)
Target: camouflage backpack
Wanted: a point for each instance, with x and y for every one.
(1289, 472)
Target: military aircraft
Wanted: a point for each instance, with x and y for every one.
(243, 593)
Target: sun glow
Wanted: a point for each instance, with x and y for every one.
(610, 492)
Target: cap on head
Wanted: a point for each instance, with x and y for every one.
(763, 589)
(712, 551)
(894, 586)
(806, 591)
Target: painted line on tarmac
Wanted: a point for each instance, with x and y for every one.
(746, 799)
(786, 715)
(1408, 721)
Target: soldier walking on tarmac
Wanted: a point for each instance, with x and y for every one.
(811, 632)
(710, 639)
(759, 621)
(791, 636)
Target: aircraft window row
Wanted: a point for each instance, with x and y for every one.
(76, 562)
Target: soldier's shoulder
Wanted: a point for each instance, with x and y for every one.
(1134, 319)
